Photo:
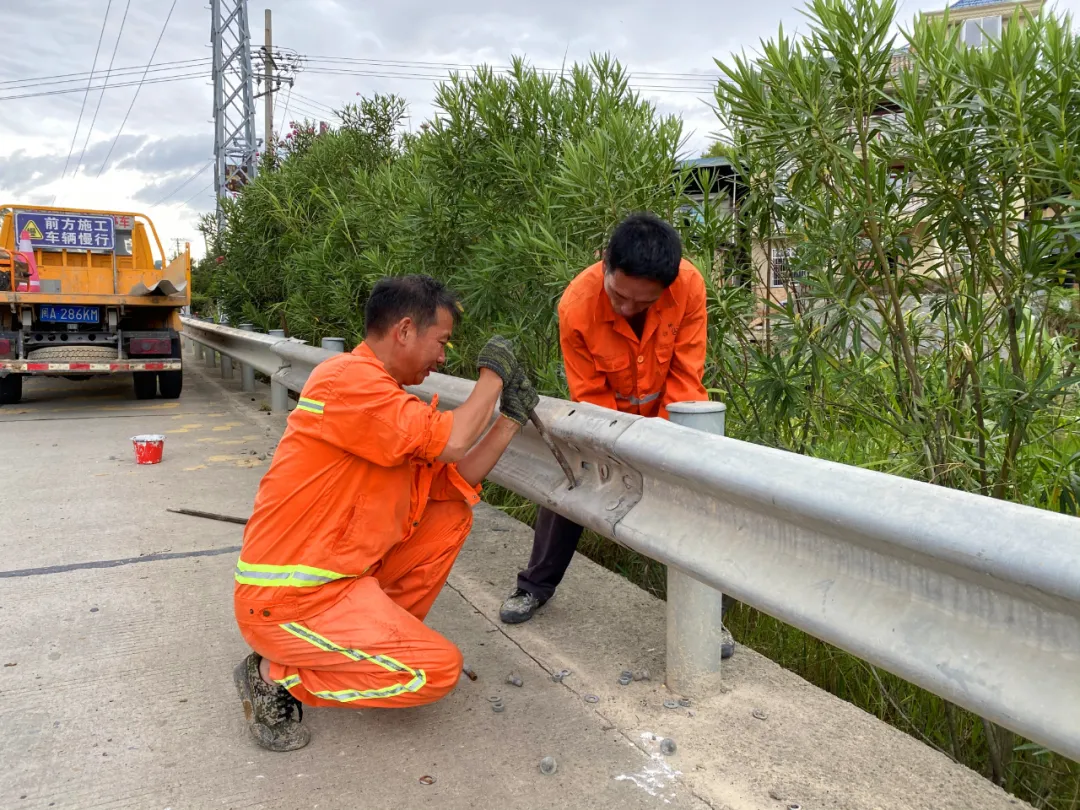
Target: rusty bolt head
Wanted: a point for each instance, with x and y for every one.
(427, 780)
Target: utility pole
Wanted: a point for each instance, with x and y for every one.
(268, 100)
(235, 150)
(277, 67)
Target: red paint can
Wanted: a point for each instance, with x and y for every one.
(148, 448)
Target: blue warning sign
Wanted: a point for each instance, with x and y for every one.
(71, 231)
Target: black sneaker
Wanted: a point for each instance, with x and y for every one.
(519, 607)
(727, 644)
(269, 709)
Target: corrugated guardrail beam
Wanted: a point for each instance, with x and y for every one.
(976, 600)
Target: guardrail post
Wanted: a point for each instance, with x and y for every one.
(694, 610)
(333, 344)
(226, 361)
(279, 397)
(279, 394)
(247, 373)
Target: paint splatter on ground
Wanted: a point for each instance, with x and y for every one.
(655, 777)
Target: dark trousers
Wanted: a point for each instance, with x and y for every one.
(554, 541)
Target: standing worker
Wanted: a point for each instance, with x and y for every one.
(633, 330)
(361, 516)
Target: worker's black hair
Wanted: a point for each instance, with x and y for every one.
(417, 297)
(644, 246)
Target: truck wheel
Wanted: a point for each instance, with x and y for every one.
(145, 384)
(10, 389)
(172, 383)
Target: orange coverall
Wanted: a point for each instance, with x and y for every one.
(354, 531)
(608, 365)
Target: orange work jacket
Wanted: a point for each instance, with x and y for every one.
(350, 480)
(608, 365)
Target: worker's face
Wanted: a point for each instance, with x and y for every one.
(631, 296)
(425, 348)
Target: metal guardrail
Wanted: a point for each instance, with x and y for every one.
(974, 599)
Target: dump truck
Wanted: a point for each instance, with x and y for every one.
(82, 293)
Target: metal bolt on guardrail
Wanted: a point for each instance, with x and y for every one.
(972, 598)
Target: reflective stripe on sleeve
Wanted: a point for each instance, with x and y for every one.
(311, 405)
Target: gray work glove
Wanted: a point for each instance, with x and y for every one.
(519, 398)
(498, 355)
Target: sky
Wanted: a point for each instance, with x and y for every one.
(75, 149)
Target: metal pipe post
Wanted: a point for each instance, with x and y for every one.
(226, 361)
(333, 344)
(276, 333)
(279, 397)
(247, 373)
(694, 610)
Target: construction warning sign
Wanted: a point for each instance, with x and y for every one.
(71, 231)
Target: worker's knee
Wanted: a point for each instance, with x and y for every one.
(443, 674)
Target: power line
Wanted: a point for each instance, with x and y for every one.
(137, 89)
(97, 107)
(86, 93)
(285, 114)
(437, 77)
(75, 78)
(172, 193)
(160, 80)
(203, 190)
(410, 63)
(316, 104)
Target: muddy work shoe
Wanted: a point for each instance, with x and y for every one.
(269, 709)
(727, 644)
(519, 607)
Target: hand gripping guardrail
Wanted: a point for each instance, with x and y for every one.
(974, 599)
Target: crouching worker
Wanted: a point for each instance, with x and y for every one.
(361, 516)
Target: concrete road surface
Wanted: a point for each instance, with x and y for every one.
(117, 644)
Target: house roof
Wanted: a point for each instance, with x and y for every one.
(973, 3)
(706, 163)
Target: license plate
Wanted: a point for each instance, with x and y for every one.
(54, 314)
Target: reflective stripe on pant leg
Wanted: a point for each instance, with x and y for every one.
(384, 661)
(289, 682)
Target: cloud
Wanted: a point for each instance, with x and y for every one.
(169, 134)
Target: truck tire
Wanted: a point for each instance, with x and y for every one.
(145, 384)
(172, 383)
(73, 353)
(10, 389)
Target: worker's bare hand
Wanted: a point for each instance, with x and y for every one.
(498, 355)
(518, 399)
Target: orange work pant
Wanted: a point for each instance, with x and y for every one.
(371, 649)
